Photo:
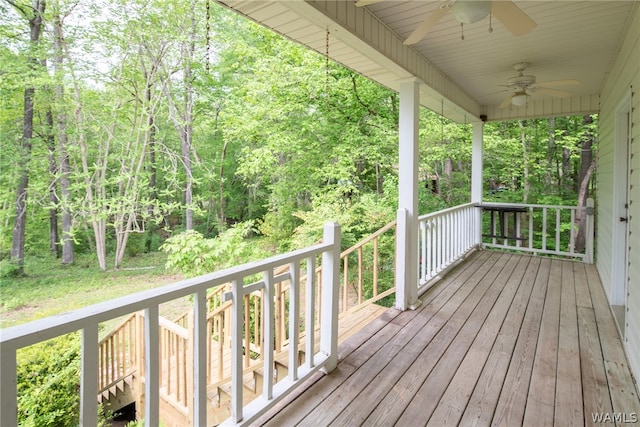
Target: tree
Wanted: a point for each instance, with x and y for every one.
(587, 166)
(33, 15)
(63, 168)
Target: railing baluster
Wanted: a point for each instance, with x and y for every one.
(572, 237)
(310, 294)
(345, 285)
(544, 228)
(269, 329)
(247, 332)
(423, 250)
(518, 230)
(558, 225)
(531, 228)
(431, 247)
(439, 243)
(360, 275)
(294, 319)
(376, 266)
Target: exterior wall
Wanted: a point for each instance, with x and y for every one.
(622, 89)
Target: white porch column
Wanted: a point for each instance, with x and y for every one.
(476, 175)
(476, 162)
(407, 241)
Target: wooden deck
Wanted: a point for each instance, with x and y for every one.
(503, 340)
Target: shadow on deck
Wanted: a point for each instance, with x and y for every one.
(504, 339)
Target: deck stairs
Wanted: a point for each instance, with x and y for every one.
(121, 352)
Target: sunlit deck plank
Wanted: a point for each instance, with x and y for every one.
(435, 337)
(433, 388)
(484, 398)
(501, 336)
(456, 397)
(539, 411)
(568, 405)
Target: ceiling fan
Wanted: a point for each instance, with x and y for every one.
(522, 85)
(469, 12)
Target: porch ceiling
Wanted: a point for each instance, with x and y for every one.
(462, 78)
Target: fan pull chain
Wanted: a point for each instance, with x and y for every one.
(490, 26)
(326, 72)
(207, 36)
(462, 31)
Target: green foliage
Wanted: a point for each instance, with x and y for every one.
(278, 136)
(48, 382)
(357, 215)
(8, 269)
(193, 255)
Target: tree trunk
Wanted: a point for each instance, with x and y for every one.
(183, 120)
(587, 166)
(551, 144)
(525, 158)
(187, 140)
(54, 247)
(20, 221)
(153, 192)
(222, 217)
(94, 177)
(64, 169)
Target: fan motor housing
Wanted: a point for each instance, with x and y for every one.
(522, 82)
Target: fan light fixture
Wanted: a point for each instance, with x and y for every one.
(519, 99)
(469, 12)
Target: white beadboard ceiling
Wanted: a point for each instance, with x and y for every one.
(462, 78)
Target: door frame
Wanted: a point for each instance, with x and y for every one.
(620, 249)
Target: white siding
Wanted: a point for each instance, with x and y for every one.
(624, 79)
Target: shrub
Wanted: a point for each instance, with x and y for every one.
(48, 383)
(193, 255)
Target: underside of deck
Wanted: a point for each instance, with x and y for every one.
(504, 339)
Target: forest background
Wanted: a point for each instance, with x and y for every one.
(124, 123)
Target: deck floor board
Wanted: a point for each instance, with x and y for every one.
(504, 339)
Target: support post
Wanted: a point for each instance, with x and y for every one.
(329, 303)
(589, 232)
(476, 176)
(407, 254)
(151, 367)
(89, 376)
(8, 386)
(198, 326)
(402, 248)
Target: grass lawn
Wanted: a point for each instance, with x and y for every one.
(50, 288)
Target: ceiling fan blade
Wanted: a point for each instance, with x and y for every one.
(426, 26)
(553, 92)
(506, 101)
(553, 83)
(362, 3)
(512, 17)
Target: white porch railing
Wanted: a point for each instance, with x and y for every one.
(445, 238)
(87, 321)
(540, 229)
